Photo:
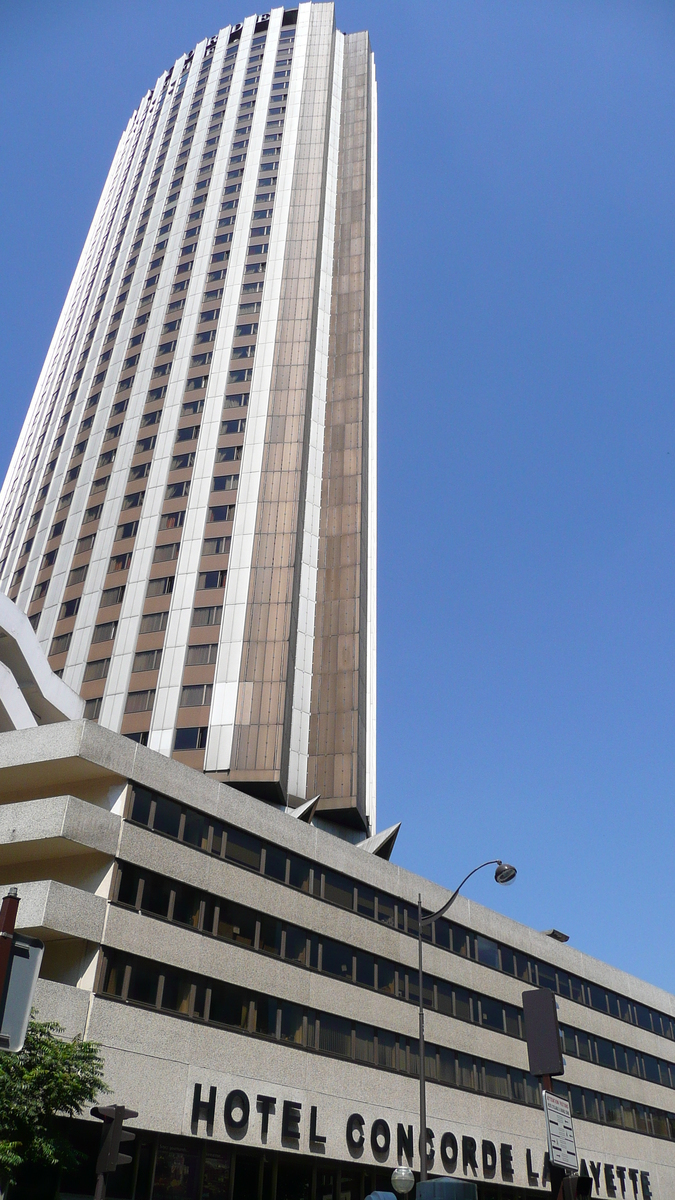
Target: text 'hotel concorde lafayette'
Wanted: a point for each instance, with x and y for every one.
(189, 516)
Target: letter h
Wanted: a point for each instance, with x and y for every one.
(203, 1110)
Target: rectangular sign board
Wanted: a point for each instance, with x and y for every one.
(24, 968)
(562, 1148)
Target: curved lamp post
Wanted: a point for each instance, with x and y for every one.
(504, 873)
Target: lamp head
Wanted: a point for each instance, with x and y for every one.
(505, 873)
(402, 1180)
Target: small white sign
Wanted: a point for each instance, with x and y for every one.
(562, 1149)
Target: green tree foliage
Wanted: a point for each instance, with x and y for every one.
(50, 1077)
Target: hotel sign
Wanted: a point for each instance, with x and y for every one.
(242, 1114)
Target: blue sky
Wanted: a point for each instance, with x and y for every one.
(527, 423)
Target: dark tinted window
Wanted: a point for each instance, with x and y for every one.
(141, 806)
(229, 1006)
(236, 923)
(196, 832)
(270, 935)
(296, 945)
(644, 1017)
(442, 934)
(176, 992)
(521, 967)
(546, 977)
(339, 890)
(336, 959)
(217, 839)
(385, 909)
(291, 1023)
(128, 886)
(492, 1014)
(605, 1053)
(167, 816)
(335, 1035)
(585, 1046)
(463, 1005)
(386, 1049)
(651, 1068)
(496, 1080)
(459, 940)
(598, 997)
(487, 952)
(275, 863)
(365, 968)
(266, 1015)
(156, 893)
(508, 964)
(299, 874)
(513, 1022)
(366, 901)
(143, 983)
(365, 1043)
(243, 849)
(186, 906)
(386, 977)
(114, 977)
(444, 993)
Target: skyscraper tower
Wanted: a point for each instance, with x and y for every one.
(189, 516)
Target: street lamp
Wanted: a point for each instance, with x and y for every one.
(504, 873)
(402, 1180)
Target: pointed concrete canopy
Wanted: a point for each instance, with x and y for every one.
(305, 812)
(381, 844)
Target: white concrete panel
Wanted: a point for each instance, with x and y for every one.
(177, 633)
(228, 665)
(304, 656)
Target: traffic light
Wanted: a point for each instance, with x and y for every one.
(575, 1186)
(542, 1032)
(114, 1133)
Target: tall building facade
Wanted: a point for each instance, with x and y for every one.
(188, 520)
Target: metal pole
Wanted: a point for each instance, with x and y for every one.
(423, 1094)
(557, 1174)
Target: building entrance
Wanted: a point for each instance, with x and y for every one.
(169, 1168)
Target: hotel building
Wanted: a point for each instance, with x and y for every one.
(188, 535)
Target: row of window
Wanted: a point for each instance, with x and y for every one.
(120, 406)
(42, 495)
(194, 694)
(155, 986)
(157, 896)
(178, 821)
(198, 694)
(97, 669)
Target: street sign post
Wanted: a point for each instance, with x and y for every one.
(23, 969)
(562, 1149)
(20, 959)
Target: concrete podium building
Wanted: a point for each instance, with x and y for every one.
(252, 981)
(188, 534)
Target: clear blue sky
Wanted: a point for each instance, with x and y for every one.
(527, 391)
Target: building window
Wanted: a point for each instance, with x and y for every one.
(140, 701)
(196, 695)
(96, 670)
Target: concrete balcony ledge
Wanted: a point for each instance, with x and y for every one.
(63, 1003)
(56, 827)
(51, 910)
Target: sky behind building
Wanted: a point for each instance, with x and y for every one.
(527, 452)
